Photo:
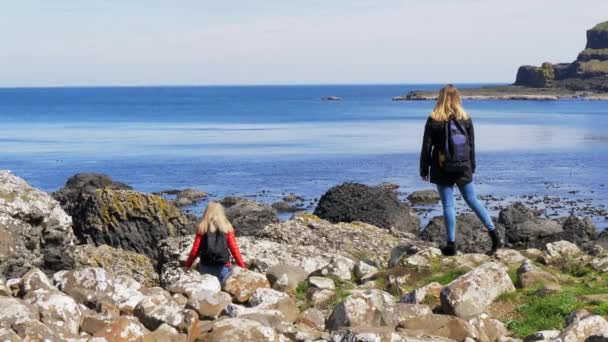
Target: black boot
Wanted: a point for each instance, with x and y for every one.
(497, 241)
(449, 249)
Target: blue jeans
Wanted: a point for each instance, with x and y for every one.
(449, 213)
(220, 271)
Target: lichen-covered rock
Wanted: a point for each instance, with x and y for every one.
(243, 330)
(320, 299)
(242, 283)
(580, 330)
(364, 308)
(173, 253)
(166, 333)
(248, 217)
(338, 268)
(417, 296)
(8, 335)
(364, 271)
(423, 258)
(313, 318)
(375, 334)
(118, 261)
(30, 330)
(322, 283)
(290, 275)
(489, 329)
(34, 231)
(472, 235)
(110, 214)
(446, 326)
(158, 308)
(13, 310)
(191, 283)
(270, 299)
(378, 206)
(559, 251)
(209, 303)
(509, 256)
(471, 293)
(57, 310)
(125, 329)
(34, 280)
(529, 274)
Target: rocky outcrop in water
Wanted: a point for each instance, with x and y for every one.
(34, 230)
(248, 216)
(105, 212)
(378, 206)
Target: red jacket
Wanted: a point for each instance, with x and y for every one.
(232, 245)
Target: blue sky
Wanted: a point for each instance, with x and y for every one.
(117, 42)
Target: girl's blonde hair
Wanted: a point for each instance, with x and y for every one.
(448, 104)
(215, 219)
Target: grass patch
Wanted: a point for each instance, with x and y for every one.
(446, 277)
(302, 291)
(601, 26)
(343, 289)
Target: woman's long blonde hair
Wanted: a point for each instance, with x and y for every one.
(448, 104)
(214, 219)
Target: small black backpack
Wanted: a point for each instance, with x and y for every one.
(457, 150)
(214, 250)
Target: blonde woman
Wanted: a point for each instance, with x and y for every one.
(448, 158)
(214, 243)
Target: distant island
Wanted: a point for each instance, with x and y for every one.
(585, 78)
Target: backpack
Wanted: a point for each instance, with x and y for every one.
(214, 250)
(457, 151)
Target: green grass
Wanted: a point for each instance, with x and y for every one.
(446, 277)
(343, 289)
(302, 291)
(601, 26)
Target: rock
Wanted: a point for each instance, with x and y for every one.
(528, 275)
(582, 329)
(313, 318)
(450, 327)
(13, 310)
(125, 329)
(322, 283)
(293, 198)
(509, 256)
(465, 261)
(167, 333)
(119, 217)
(34, 280)
(597, 37)
(293, 275)
(321, 298)
(242, 283)
(364, 308)
(98, 286)
(351, 202)
(404, 311)
(34, 231)
(209, 304)
(423, 258)
(366, 334)
(559, 251)
(424, 197)
(532, 253)
(191, 283)
(269, 299)
(600, 264)
(158, 308)
(364, 271)
(8, 335)
(92, 322)
(248, 216)
(580, 231)
(188, 197)
(488, 329)
(339, 268)
(542, 336)
(173, 253)
(418, 296)
(331, 98)
(531, 76)
(29, 330)
(118, 261)
(471, 293)
(472, 236)
(242, 330)
(285, 207)
(58, 311)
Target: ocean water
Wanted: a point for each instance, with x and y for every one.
(265, 141)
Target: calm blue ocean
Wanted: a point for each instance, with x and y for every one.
(265, 141)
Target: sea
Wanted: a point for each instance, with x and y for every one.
(264, 142)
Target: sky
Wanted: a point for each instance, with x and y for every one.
(211, 42)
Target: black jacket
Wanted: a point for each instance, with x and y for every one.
(432, 143)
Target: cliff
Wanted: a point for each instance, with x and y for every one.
(589, 72)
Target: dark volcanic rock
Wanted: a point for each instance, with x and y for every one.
(374, 205)
(580, 231)
(532, 76)
(285, 207)
(424, 197)
(597, 37)
(471, 235)
(248, 216)
(189, 196)
(113, 215)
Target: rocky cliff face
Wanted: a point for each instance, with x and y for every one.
(108, 213)
(589, 72)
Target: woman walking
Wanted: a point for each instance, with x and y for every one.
(214, 243)
(448, 157)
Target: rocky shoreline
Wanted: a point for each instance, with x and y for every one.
(586, 78)
(98, 261)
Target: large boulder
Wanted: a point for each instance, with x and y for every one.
(364, 308)
(269, 299)
(118, 261)
(34, 230)
(243, 330)
(124, 329)
(159, 308)
(450, 327)
(374, 205)
(471, 293)
(248, 216)
(105, 212)
(13, 310)
(471, 235)
(583, 329)
(242, 283)
(529, 275)
(57, 310)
